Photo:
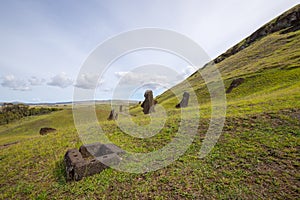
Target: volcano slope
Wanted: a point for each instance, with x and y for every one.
(257, 155)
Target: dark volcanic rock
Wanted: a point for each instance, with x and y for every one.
(90, 159)
(235, 83)
(185, 100)
(148, 103)
(46, 130)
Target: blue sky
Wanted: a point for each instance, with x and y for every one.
(44, 42)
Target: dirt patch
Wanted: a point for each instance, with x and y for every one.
(235, 83)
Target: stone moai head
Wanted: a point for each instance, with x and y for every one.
(185, 100)
(113, 115)
(148, 103)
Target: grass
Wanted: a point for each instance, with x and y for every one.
(256, 157)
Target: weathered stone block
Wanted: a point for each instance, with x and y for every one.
(90, 159)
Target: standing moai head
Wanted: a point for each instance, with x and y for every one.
(148, 103)
(113, 115)
(185, 100)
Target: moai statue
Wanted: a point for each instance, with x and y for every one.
(121, 108)
(185, 100)
(113, 115)
(148, 103)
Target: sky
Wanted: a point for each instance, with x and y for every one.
(45, 43)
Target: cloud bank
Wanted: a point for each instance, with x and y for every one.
(11, 82)
(61, 80)
(88, 81)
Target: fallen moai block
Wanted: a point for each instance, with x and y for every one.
(98, 149)
(185, 100)
(90, 159)
(46, 130)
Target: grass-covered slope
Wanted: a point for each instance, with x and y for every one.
(271, 68)
(256, 157)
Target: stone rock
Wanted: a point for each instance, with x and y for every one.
(99, 149)
(121, 108)
(235, 83)
(113, 115)
(148, 103)
(185, 100)
(90, 159)
(46, 130)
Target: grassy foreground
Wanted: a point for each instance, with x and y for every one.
(257, 156)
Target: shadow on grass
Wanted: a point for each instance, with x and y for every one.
(60, 172)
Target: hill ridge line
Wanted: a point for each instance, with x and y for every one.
(288, 21)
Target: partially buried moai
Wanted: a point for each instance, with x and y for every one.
(185, 100)
(148, 103)
(113, 115)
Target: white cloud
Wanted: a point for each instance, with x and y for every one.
(61, 80)
(35, 81)
(88, 81)
(142, 78)
(120, 74)
(107, 90)
(152, 86)
(36, 99)
(189, 70)
(10, 81)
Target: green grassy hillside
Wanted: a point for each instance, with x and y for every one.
(256, 157)
(271, 68)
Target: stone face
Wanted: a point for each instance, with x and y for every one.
(113, 115)
(90, 159)
(46, 130)
(148, 103)
(185, 100)
(235, 83)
